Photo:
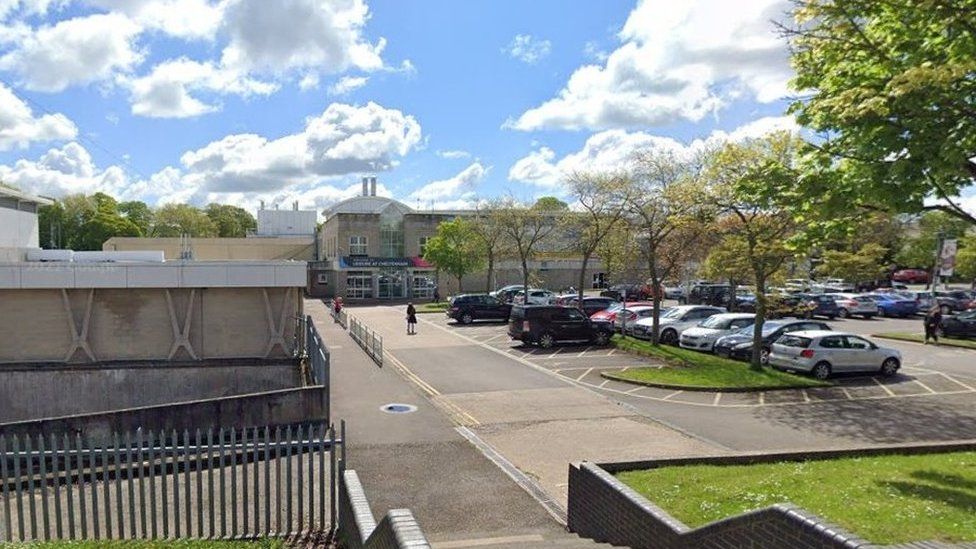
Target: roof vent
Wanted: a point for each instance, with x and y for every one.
(372, 186)
(365, 186)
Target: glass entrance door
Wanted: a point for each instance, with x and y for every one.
(391, 284)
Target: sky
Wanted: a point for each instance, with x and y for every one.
(446, 102)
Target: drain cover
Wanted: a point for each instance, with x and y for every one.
(398, 408)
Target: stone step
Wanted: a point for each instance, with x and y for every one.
(565, 541)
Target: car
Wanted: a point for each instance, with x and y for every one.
(739, 344)
(466, 308)
(716, 295)
(822, 353)
(783, 305)
(536, 297)
(821, 305)
(506, 293)
(673, 292)
(628, 316)
(627, 292)
(924, 300)
(894, 305)
(849, 305)
(839, 284)
(564, 299)
(609, 314)
(703, 336)
(797, 284)
(954, 300)
(911, 276)
(960, 325)
(672, 323)
(546, 325)
(592, 305)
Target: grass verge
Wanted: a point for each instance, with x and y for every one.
(884, 499)
(432, 307)
(693, 370)
(153, 544)
(919, 338)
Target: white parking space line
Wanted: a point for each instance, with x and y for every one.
(612, 351)
(553, 355)
(494, 337)
(634, 390)
(584, 374)
(957, 382)
(806, 397)
(762, 398)
(674, 394)
(583, 352)
(605, 381)
(924, 386)
(718, 397)
(882, 385)
(846, 392)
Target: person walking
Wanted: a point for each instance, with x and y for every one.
(933, 323)
(411, 319)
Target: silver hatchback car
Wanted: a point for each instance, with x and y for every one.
(822, 353)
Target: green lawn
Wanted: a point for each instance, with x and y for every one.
(432, 307)
(152, 544)
(884, 499)
(919, 338)
(695, 369)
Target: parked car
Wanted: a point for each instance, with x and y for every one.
(894, 305)
(924, 300)
(824, 353)
(960, 325)
(536, 297)
(954, 300)
(630, 315)
(716, 295)
(703, 336)
(628, 292)
(840, 284)
(849, 305)
(673, 292)
(911, 276)
(821, 305)
(739, 344)
(467, 308)
(783, 305)
(546, 325)
(565, 299)
(506, 293)
(592, 305)
(672, 323)
(610, 314)
(797, 284)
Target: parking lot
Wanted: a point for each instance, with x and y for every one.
(584, 364)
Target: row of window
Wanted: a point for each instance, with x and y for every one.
(391, 244)
(359, 285)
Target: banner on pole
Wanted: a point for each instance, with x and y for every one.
(947, 259)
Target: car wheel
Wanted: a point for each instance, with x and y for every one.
(764, 356)
(868, 317)
(831, 317)
(601, 338)
(843, 313)
(546, 341)
(669, 337)
(821, 370)
(881, 312)
(890, 367)
(466, 318)
(945, 309)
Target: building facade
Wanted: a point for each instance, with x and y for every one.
(18, 223)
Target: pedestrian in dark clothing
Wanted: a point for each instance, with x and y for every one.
(437, 295)
(933, 323)
(411, 319)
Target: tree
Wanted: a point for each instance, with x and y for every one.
(231, 221)
(139, 213)
(602, 199)
(664, 205)
(455, 249)
(966, 260)
(890, 86)
(618, 250)
(491, 234)
(178, 219)
(919, 251)
(745, 183)
(526, 228)
(867, 263)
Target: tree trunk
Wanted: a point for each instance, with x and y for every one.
(525, 275)
(460, 288)
(756, 361)
(656, 316)
(582, 280)
(732, 301)
(491, 270)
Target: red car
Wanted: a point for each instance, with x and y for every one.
(911, 276)
(609, 315)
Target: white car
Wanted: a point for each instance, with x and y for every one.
(536, 297)
(822, 353)
(676, 320)
(849, 305)
(632, 315)
(797, 284)
(840, 284)
(703, 336)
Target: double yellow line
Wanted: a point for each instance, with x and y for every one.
(457, 415)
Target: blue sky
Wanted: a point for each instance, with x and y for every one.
(446, 102)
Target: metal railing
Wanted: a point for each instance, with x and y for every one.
(317, 353)
(214, 483)
(369, 340)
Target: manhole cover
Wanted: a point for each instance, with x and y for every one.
(398, 408)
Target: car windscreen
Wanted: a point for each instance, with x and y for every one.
(674, 313)
(716, 322)
(794, 341)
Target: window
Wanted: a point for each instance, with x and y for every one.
(359, 285)
(422, 241)
(322, 278)
(832, 343)
(857, 343)
(357, 245)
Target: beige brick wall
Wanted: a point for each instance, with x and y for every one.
(213, 249)
(135, 324)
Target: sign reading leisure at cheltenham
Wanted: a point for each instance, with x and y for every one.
(363, 262)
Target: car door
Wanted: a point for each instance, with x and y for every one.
(568, 324)
(835, 351)
(862, 354)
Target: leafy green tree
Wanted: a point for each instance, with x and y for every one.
(231, 221)
(966, 260)
(455, 249)
(139, 213)
(919, 251)
(527, 228)
(865, 264)
(890, 86)
(105, 223)
(491, 234)
(550, 203)
(177, 219)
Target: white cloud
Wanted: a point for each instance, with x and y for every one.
(74, 52)
(461, 185)
(274, 37)
(309, 81)
(678, 61)
(347, 84)
(166, 91)
(614, 150)
(528, 49)
(452, 155)
(19, 127)
(65, 170)
(186, 19)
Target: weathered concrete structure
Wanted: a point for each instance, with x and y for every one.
(219, 249)
(18, 223)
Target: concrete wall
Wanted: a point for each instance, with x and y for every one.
(357, 528)
(271, 408)
(287, 222)
(53, 390)
(259, 248)
(18, 229)
(97, 325)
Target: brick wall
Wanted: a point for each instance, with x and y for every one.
(357, 529)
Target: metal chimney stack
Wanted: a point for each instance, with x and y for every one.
(372, 186)
(365, 186)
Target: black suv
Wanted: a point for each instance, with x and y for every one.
(548, 324)
(716, 295)
(628, 292)
(467, 308)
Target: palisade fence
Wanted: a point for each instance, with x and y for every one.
(369, 340)
(207, 484)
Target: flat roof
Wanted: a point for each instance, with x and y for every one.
(24, 197)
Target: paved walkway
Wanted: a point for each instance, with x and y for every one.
(419, 460)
